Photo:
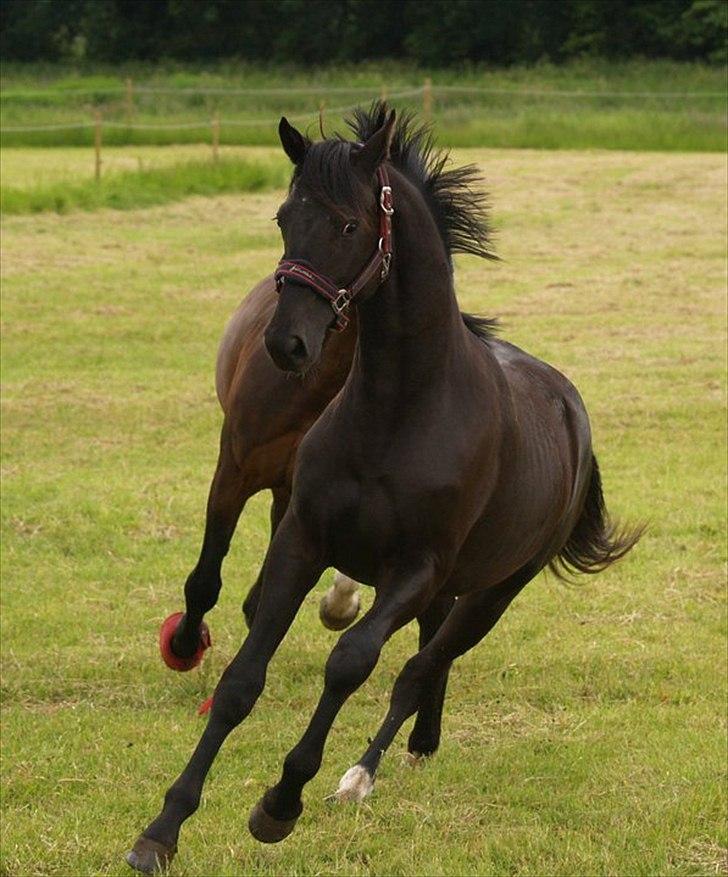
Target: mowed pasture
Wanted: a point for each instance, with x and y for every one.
(586, 735)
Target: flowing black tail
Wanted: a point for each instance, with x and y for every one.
(596, 541)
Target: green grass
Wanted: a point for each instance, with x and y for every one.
(145, 187)
(586, 735)
(629, 105)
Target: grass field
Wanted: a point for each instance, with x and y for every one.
(642, 105)
(142, 187)
(61, 179)
(586, 735)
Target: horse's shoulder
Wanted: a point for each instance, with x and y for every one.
(243, 333)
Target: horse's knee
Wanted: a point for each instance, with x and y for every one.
(235, 697)
(417, 669)
(350, 663)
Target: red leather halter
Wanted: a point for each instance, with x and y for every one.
(341, 297)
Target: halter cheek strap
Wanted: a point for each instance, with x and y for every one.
(341, 297)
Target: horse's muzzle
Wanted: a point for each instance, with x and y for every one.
(289, 352)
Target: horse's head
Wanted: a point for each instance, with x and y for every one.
(330, 223)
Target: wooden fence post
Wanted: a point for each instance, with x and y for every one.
(427, 100)
(97, 145)
(215, 137)
(129, 99)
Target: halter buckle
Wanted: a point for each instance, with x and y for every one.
(385, 200)
(341, 302)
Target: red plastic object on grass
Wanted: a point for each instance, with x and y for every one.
(205, 707)
(166, 632)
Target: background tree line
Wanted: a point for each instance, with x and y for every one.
(426, 32)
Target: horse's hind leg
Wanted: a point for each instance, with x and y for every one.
(472, 617)
(228, 493)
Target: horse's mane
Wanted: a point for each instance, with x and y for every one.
(458, 205)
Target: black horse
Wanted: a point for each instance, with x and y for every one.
(451, 468)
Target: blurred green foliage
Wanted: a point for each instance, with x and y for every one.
(427, 32)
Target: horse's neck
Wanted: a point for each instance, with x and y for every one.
(408, 329)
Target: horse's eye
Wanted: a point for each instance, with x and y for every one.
(350, 228)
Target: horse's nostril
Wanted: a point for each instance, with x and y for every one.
(288, 352)
(297, 347)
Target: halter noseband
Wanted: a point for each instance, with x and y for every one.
(340, 298)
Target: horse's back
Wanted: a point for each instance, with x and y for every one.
(537, 387)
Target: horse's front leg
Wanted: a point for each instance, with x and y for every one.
(400, 599)
(425, 736)
(279, 505)
(291, 569)
(228, 493)
(340, 604)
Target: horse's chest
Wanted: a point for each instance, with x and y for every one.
(342, 507)
(365, 522)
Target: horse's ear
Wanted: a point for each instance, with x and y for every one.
(294, 143)
(376, 149)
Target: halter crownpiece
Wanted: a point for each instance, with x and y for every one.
(341, 297)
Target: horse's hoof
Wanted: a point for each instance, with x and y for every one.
(335, 617)
(149, 856)
(266, 829)
(356, 784)
(422, 745)
(166, 634)
(417, 759)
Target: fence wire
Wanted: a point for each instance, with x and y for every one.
(354, 89)
(449, 99)
(202, 124)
